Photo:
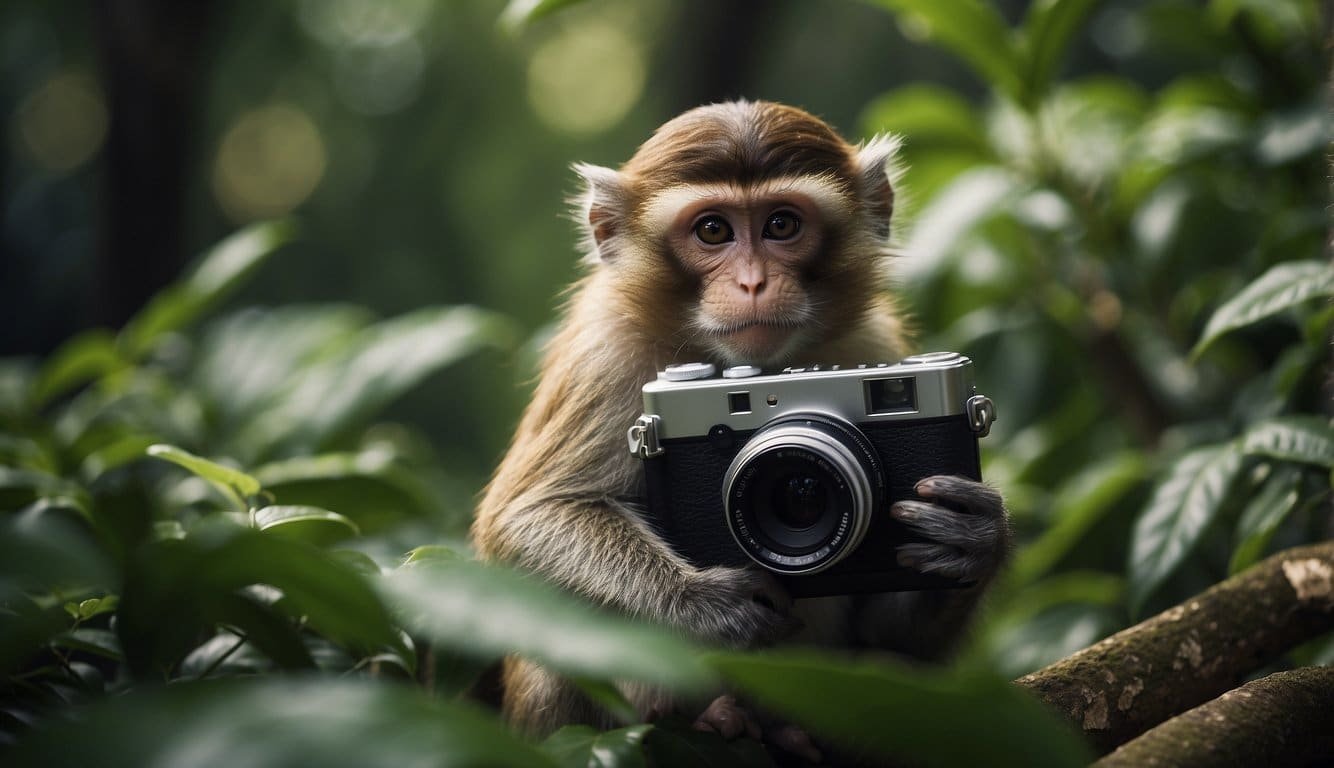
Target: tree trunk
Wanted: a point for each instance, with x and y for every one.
(1120, 687)
(1283, 719)
(153, 60)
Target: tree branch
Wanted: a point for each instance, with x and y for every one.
(1120, 687)
(1282, 719)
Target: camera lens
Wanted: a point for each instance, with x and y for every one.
(799, 495)
(799, 501)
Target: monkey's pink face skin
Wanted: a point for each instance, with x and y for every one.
(749, 250)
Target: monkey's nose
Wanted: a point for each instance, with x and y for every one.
(750, 279)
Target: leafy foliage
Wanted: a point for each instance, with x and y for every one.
(222, 502)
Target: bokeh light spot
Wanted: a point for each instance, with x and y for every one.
(339, 23)
(269, 162)
(63, 123)
(379, 80)
(586, 78)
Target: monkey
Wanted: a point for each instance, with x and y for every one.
(745, 232)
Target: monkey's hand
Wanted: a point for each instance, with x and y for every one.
(964, 524)
(738, 607)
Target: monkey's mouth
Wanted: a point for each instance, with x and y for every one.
(754, 341)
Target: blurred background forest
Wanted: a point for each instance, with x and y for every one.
(1117, 208)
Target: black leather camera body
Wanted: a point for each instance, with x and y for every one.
(795, 471)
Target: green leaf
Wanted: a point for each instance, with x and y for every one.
(952, 214)
(1047, 30)
(1263, 515)
(972, 30)
(609, 697)
(1305, 439)
(579, 746)
(193, 580)
(913, 716)
(1183, 504)
(520, 13)
(94, 606)
(928, 116)
(277, 723)
(235, 484)
(1284, 286)
(308, 523)
(247, 358)
(223, 269)
(674, 742)
(373, 488)
(100, 642)
(21, 487)
(1080, 503)
(378, 365)
(488, 611)
(431, 553)
(87, 356)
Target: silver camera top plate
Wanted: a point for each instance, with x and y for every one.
(921, 386)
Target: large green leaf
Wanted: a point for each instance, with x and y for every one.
(1263, 515)
(1047, 29)
(277, 723)
(970, 29)
(674, 741)
(246, 359)
(372, 369)
(304, 522)
(1305, 439)
(194, 580)
(952, 214)
(578, 746)
(519, 13)
(222, 270)
(1079, 504)
(1284, 286)
(1183, 504)
(488, 611)
(236, 485)
(928, 116)
(372, 487)
(909, 715)
(85, 357)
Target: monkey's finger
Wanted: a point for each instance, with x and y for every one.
(969, 495)
(725, 717)
(945, 526)
(943, 561)
(794, 741)
(765, 590)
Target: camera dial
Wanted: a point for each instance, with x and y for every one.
(799, 495)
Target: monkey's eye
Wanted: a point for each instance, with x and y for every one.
(782, 225)
(713, 230)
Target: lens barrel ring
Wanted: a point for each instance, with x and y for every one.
(840, 455)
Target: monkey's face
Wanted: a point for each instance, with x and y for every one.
(747, 231)
(749, 253)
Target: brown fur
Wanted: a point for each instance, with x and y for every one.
(555, 504)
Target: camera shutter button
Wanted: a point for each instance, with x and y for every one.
(687, 372)
(741, 372)
(931, 357)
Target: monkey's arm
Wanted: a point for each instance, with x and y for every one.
(966, 536)
(601, 549)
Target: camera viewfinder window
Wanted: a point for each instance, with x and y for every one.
(897, 395)
(738, 402)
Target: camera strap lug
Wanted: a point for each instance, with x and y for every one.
(643, 438)
(981, 413)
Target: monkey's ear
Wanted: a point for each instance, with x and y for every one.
(600, 208)
(878, 172)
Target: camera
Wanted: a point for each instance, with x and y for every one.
(796, 470)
